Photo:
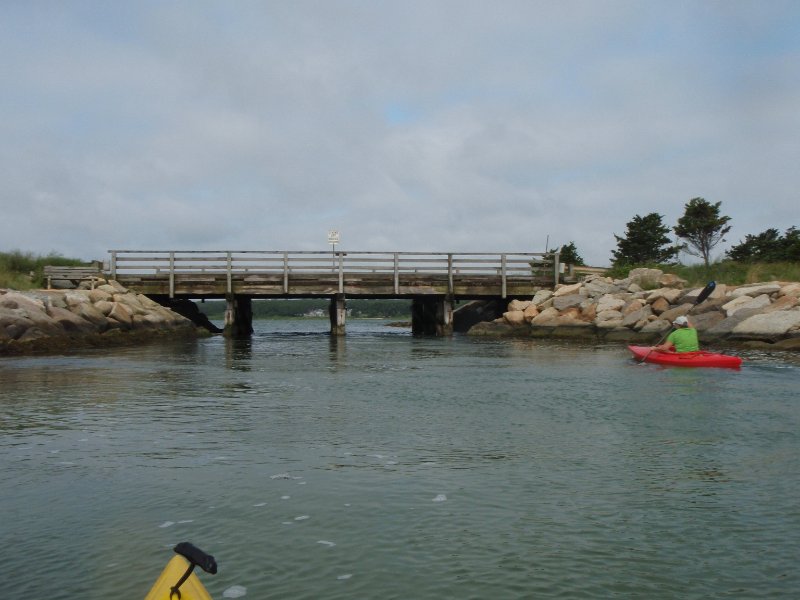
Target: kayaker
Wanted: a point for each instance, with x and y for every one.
(683, 339)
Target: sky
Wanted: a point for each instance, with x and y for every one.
(408, 126)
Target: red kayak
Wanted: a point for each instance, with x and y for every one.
(686, 359)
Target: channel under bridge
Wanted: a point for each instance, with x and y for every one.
(433, 281)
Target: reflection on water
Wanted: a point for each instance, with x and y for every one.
(385, 465)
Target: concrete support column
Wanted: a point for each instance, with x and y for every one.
(338, 314)
(444, 316)
(238, 316)
(432, 315)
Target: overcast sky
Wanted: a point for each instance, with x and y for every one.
(454, 126)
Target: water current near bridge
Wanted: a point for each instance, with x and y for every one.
(381, 465)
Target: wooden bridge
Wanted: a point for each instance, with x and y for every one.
(433, 281)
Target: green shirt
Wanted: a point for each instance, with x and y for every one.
(684, 339)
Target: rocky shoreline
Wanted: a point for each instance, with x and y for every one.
(109, 314)
(641, 307)
(638, 309)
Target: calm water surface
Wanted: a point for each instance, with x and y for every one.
(387, 466)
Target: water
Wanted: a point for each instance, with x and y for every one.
(386, 466)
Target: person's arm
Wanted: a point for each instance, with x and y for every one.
(667, 346)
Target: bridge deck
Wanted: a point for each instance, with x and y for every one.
(207, 274)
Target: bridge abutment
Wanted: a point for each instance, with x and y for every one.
(238, 316)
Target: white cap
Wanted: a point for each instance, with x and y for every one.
(680, 321)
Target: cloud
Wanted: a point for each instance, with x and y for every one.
(418, 126)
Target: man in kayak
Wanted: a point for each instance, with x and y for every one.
(683, 339)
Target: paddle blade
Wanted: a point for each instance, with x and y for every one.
(706, 292)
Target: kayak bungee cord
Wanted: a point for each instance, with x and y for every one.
(195, 556)
(179, 572)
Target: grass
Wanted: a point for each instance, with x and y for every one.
(728, 272)
(23, 270)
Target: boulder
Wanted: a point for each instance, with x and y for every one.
(706, 321)
(678, 311)
(589, 312)
(488, 328)
(515, 318)
(151, 304)
(548, 315)
(91, 314)
(746, 301)
(121, 314)
(645, 278)
(657, 326)
(726, 326)
(118, 287)
(632, 318)
(566, 290)
(14, 322)
(632, 307)
(791, 289)
(72, 323)
(770, 325)
(668, 294)
(608, 315)
(568, 322)
(530, 312)
(518, 305)
(610, 324)
(49, 298)
(670, 280)
(132, 303)
(782, 303)
(600, 286)
(98, 295)
(541, 297)
(609, 302)
(74, 298)
(568, 301)
(108, 289)
(659, 306)
(33, 333)
(788, 344)
(104, 307)
(16, 300)
(756, 289)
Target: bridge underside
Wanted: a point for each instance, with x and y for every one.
(431, 314)
(433, 297)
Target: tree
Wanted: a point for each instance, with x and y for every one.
(569, 255)
(768, 246)
(702, 227)
(645, 241)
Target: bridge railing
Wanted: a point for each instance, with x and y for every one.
(175, 263)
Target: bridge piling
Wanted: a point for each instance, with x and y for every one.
(238, 316)
(338, 314)
(432, 315)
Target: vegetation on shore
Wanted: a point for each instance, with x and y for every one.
(727, 271)
(23, 270)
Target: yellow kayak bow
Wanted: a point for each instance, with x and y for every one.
(178, 581)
